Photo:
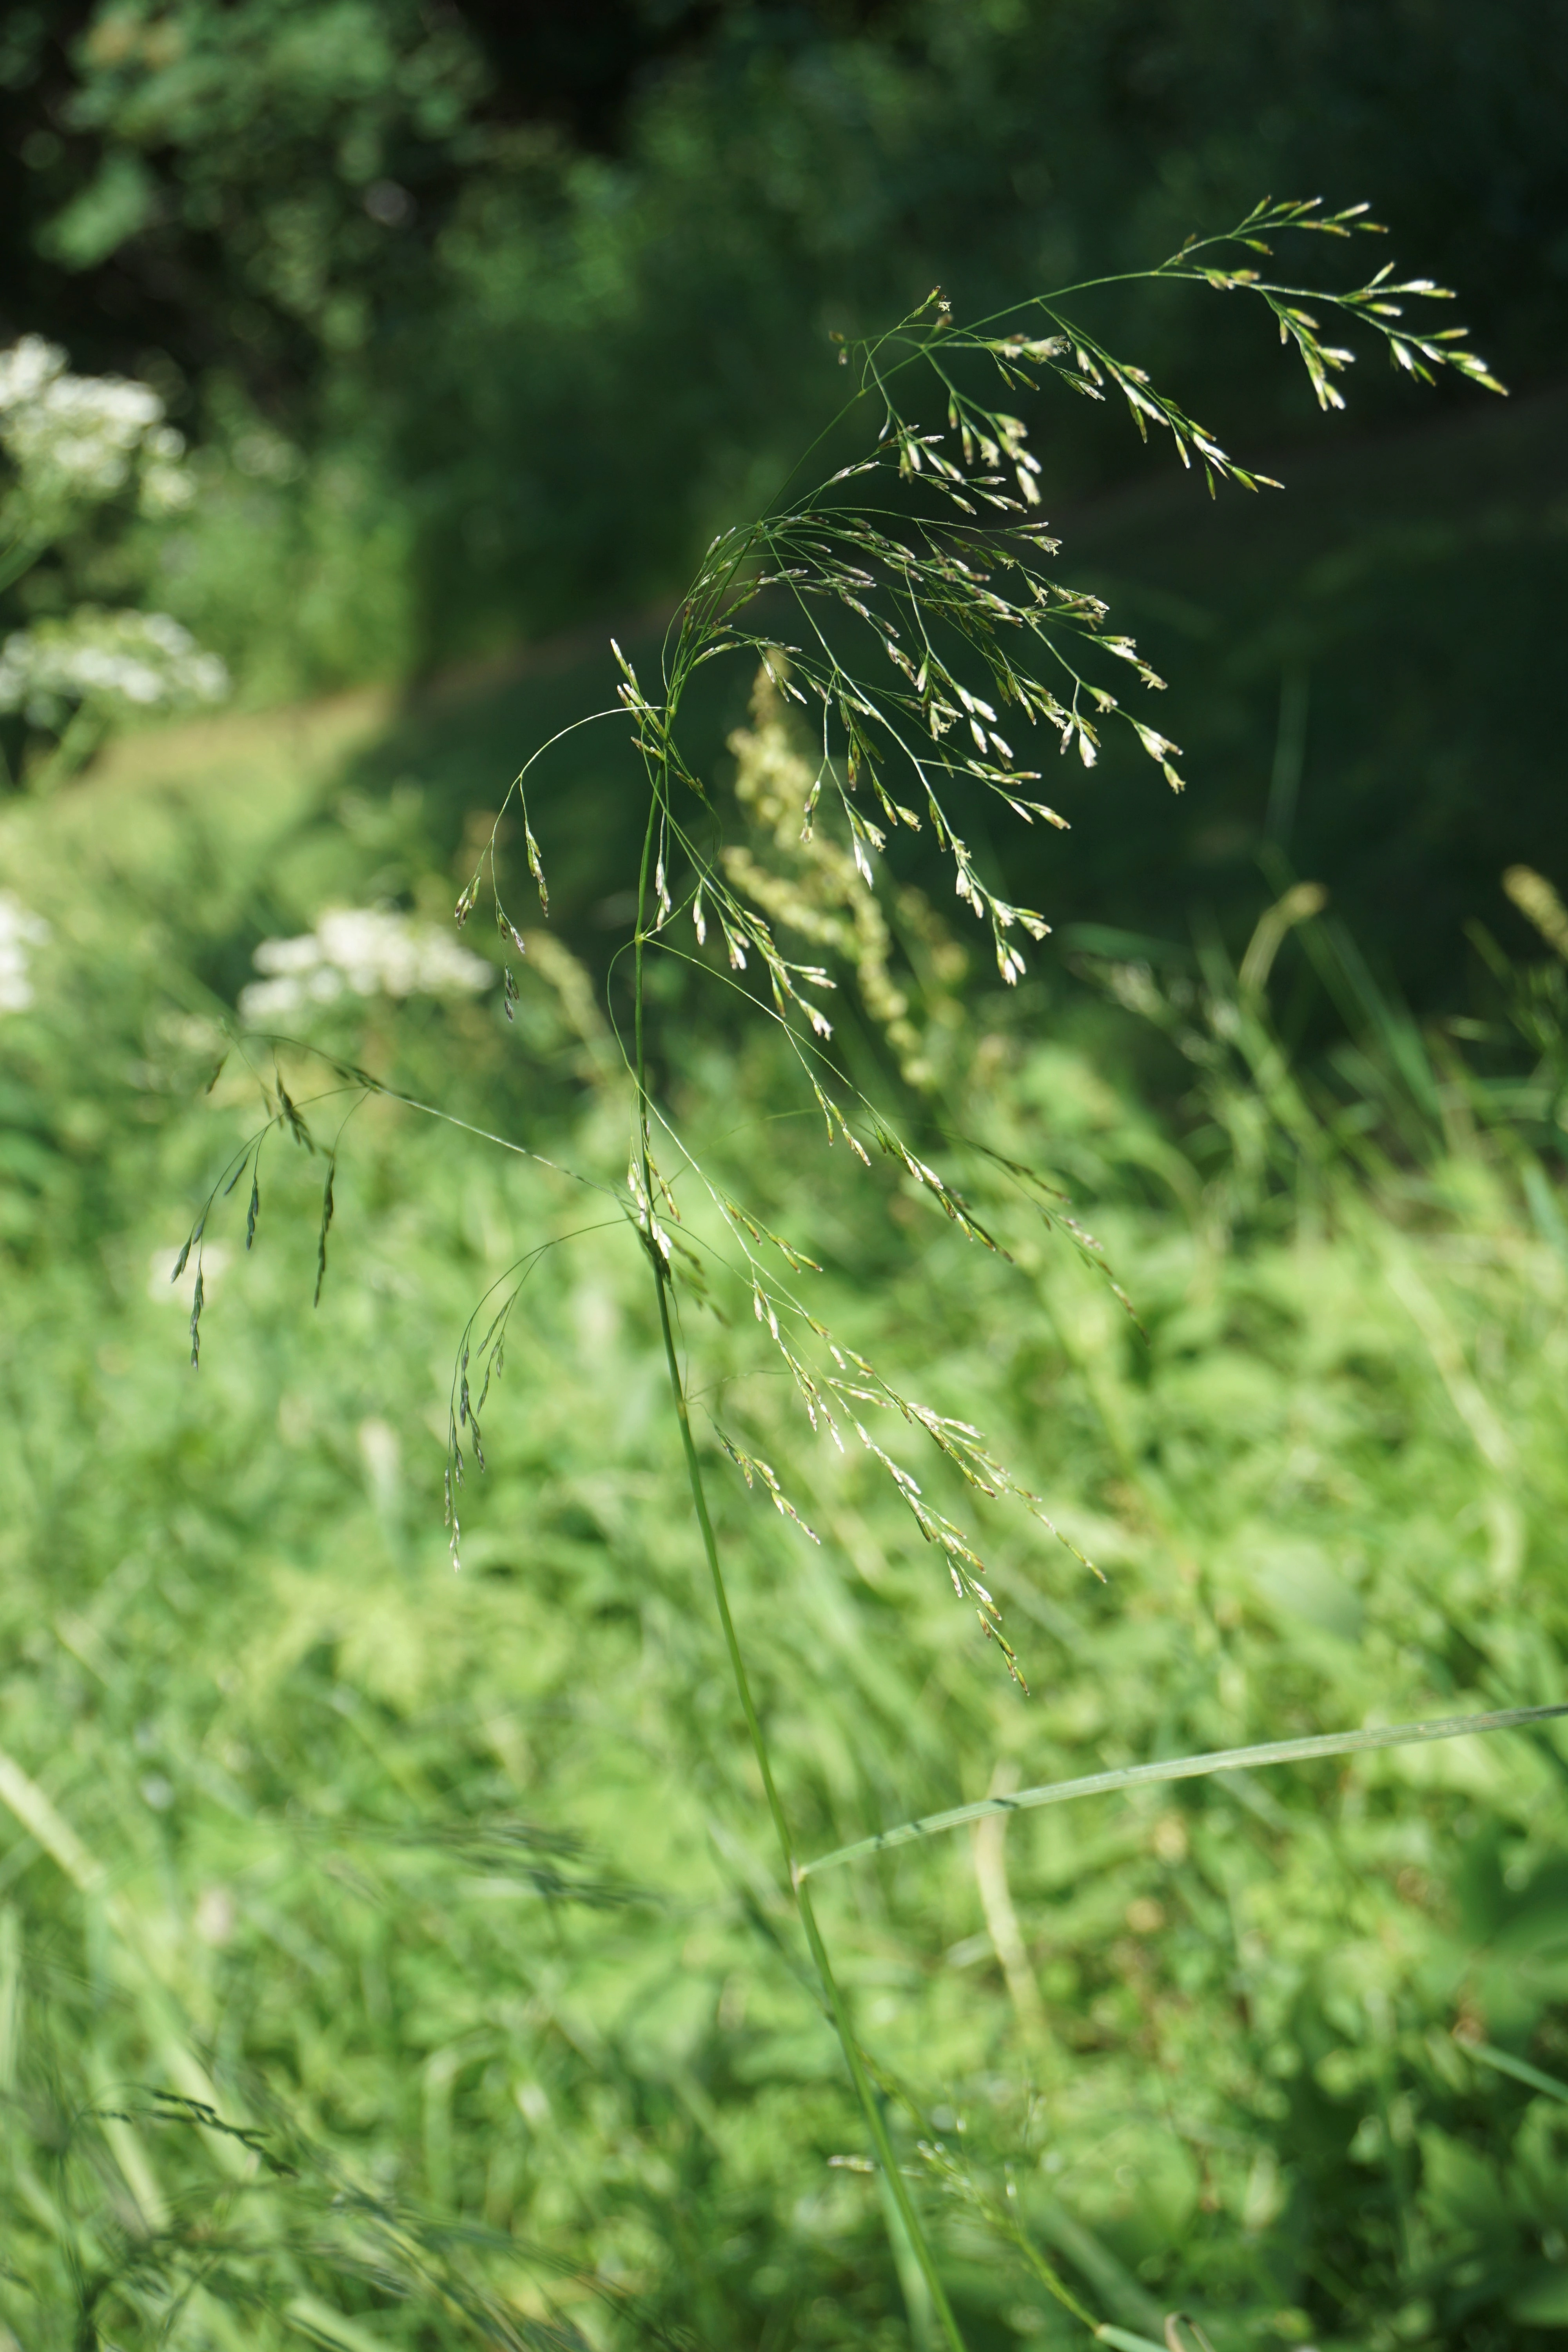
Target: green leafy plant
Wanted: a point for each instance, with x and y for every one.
(908, 605)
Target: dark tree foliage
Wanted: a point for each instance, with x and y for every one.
(560, 267)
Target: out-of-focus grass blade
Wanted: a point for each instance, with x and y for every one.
(22, 1796)
(319, 2323)
(1521, 2069)
(1184, 1767)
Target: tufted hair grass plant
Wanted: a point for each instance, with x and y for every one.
(908, 607)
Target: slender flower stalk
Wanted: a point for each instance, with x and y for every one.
(876, 2121)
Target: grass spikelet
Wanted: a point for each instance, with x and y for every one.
(325, 1228)
(752, 1466)
(197, 1300)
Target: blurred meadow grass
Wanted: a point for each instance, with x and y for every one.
(391, 1957)
(448, 1887)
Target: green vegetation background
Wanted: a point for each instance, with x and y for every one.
(482, 320)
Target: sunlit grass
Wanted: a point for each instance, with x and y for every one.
(454, 1878)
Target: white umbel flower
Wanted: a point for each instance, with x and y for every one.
(20, 931)
(120, 664)
(359, 951)
(82, 437)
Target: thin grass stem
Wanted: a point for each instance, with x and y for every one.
(876, 2121)
(1182, 1768)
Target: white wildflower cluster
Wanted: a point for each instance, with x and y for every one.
(74, 439)
(116, 663)
(20, 929)
(359, 951)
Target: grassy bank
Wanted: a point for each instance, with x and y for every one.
(447, 1888)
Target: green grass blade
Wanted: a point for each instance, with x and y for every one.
(1183, 1767)
(1504, 2061)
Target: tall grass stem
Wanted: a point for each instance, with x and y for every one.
(876, 2121)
